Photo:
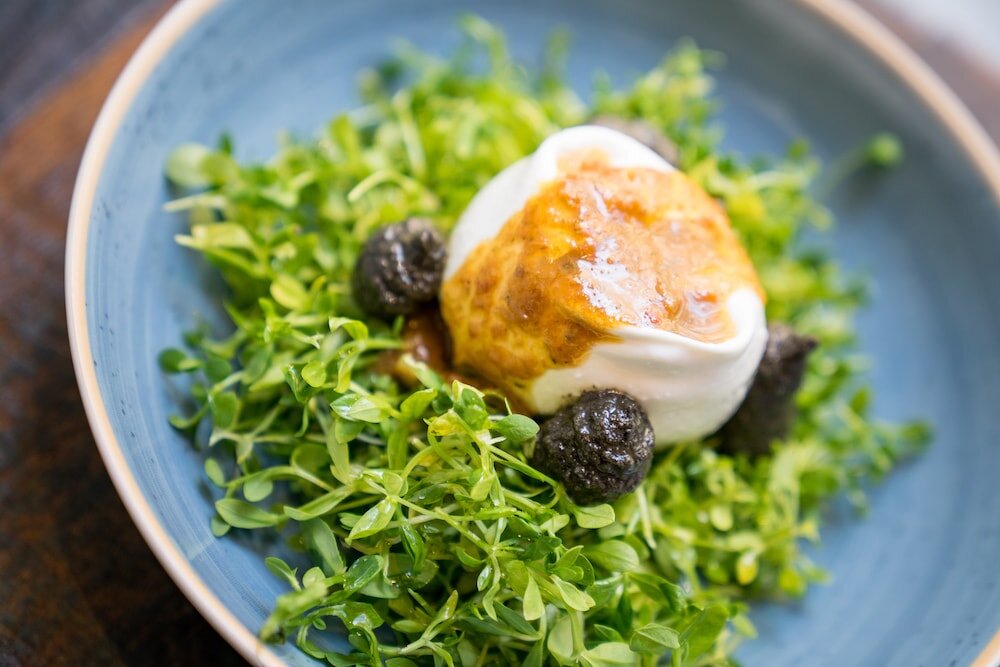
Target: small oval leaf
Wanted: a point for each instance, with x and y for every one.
(374, 520)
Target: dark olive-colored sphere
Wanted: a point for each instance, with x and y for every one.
(400, 268)
(600, 447)
(768, 411)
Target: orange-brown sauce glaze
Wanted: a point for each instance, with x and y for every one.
(425, 338)
(596, 249)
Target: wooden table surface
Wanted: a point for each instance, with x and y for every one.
(77, 583)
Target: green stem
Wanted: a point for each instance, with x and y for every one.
(448, 519)
(644, 517)
(576, 623)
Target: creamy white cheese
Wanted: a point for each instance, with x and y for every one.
(689, 388)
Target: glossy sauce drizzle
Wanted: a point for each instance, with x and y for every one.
(596, 249)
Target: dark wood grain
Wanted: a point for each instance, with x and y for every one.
(77, 583)
(41, 41)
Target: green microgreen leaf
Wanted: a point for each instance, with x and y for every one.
(314, 373)
(184, 166)
(280, 569)
(533, 605)
(414, 405)
(356, 329)
(609, 654)
(257, 488)
(700, 634)
(289, 292)
(654, 639)
(516, 428)
(240, 514)
(173, 360)
(613, 556)
(560, 641)
(355, 407)
(594, 516)
(214, 472)
(322, 545)
(572, 596)
(374, 520)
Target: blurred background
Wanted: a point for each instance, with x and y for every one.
(77, 583)
(42, 41)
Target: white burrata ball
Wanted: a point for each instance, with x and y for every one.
(689, 388)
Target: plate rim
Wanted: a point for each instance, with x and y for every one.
(852, 21)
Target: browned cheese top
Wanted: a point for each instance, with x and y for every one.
(596, 249)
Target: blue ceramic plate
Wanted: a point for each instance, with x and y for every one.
(916, 583)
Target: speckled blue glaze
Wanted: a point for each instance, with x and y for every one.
(915, 583)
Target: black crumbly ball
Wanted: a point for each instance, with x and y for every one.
(400, 268)
(600, 447)
(643, 132)
(768, 410)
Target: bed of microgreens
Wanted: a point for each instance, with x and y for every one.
(432, 541)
